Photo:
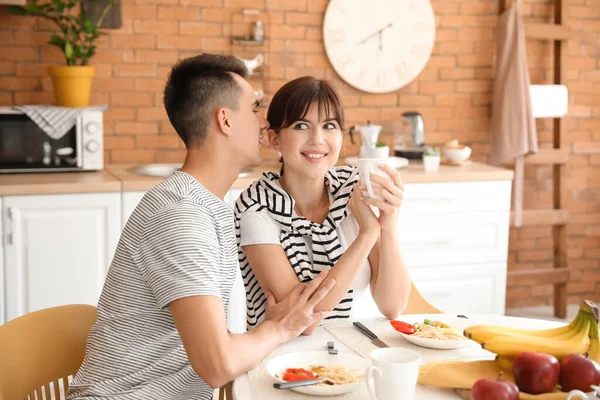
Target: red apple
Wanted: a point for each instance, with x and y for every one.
(578, 373)
(536, 373)
(494, 389)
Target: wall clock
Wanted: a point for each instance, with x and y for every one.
(379, 46)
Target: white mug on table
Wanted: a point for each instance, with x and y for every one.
(394, 374)
(367, 166)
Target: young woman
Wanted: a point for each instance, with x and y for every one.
(313, 216)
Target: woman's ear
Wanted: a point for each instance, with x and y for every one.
(273, 139)
(223, 121)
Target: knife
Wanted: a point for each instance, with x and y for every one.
(289, 385)
(367, 332)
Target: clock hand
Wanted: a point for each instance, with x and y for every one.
(378, 32)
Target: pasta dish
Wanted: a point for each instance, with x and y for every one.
(335, 374)
(428, 330)
(436, 330)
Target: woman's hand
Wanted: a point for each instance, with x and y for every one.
(366, 218)
(392, 192)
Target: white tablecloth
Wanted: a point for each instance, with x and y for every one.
(242, 389)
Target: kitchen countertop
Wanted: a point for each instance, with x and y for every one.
(120, 177)
(132, 182)
(58, 183)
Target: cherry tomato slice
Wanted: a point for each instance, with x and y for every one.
(403, 327)
(298, 374)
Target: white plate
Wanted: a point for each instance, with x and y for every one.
(401, 162)
(307, 358)
(435, 343)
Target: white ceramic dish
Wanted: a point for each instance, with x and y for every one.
(436, 344)
(307, 358)
(397, 162)
(457, 155)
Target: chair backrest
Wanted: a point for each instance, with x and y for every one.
(417, 303)
(42, 347)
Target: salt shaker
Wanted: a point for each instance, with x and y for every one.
(258, 31)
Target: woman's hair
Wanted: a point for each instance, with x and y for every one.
(292, 101)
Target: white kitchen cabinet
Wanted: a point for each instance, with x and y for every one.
(463, 237)
(57, 249)
(454, 239)
(1, 266)
(463, 289)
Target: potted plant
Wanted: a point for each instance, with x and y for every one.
(76, 38)
(431, 159)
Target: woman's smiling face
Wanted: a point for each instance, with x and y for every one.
(310, 145)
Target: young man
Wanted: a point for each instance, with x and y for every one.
(161, 329)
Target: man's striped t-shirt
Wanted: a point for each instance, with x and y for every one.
(179, 242)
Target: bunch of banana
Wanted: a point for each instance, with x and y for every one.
(594, 349)
(581, 336)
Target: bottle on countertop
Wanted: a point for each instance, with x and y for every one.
(258, 31)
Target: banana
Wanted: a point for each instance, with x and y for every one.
(482, 333)
(512, 345)
(594, 349)
(505, 362)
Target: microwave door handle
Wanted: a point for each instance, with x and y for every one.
(79, 141)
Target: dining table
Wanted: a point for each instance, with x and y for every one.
(257, 384)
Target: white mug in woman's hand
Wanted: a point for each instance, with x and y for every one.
(394, 374)
(367, 166)
(579, 395)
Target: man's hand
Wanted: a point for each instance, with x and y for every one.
(295, 312)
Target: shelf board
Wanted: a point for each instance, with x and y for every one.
(246, 41)
(546, 31)
(546, 157)
(543, 217)
(538, 276)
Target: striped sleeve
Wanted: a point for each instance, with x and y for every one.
(178, 253)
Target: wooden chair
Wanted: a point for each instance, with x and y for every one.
(418, 305)
(226, 391)
(43, 347)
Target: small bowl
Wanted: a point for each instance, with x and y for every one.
(458, 154)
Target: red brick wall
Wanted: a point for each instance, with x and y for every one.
(453, 94)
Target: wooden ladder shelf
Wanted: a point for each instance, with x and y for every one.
(558, 157)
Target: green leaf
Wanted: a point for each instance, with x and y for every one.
(88, 26)
(68, 50)
(79, 52)
(16, 10)
(90, 52)
(33, 9)
(57, 41)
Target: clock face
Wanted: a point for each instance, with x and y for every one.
(379, 46)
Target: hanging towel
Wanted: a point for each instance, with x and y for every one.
(54, 120)
(513, 134)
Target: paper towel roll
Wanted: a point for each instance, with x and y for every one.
(549, 101)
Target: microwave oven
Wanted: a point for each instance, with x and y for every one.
(25, 147)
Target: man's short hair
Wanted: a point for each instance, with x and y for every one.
(196, 87)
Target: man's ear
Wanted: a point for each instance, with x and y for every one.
(224, 121)
(273, 139)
